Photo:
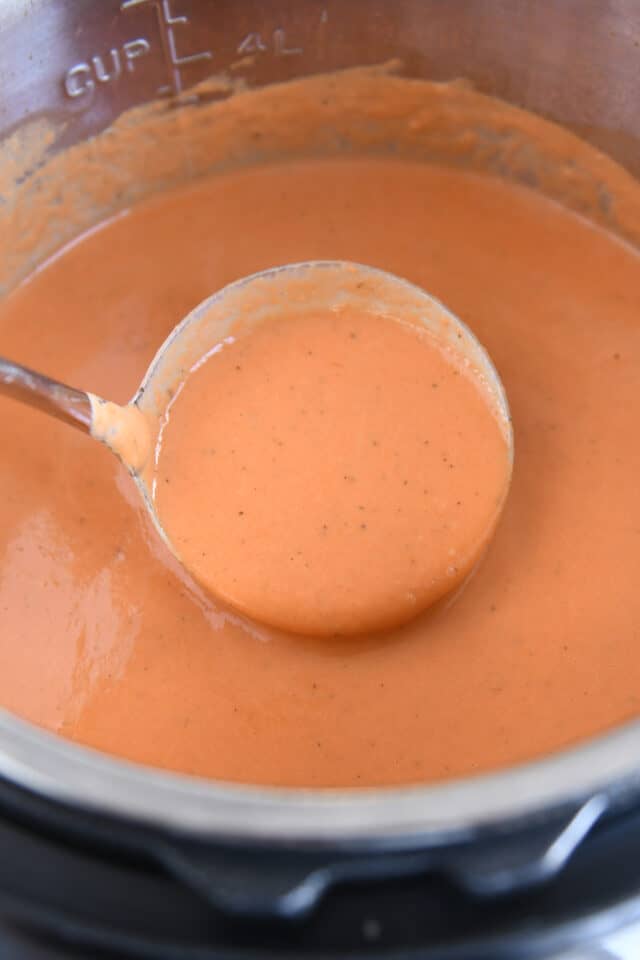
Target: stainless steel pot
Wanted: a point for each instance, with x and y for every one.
(85, 61)
(575, 61)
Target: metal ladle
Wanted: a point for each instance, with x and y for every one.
(132, 431)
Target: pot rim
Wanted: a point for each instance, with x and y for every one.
(439, 813)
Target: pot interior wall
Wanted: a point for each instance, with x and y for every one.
(575, 62)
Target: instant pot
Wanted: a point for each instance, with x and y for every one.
(103, 857)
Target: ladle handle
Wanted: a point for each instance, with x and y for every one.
(57, 399)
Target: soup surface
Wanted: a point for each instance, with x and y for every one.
(331, 471)
(104, 640)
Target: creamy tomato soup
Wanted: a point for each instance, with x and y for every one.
(106, 641)
(331, 472)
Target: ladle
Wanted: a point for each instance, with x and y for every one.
(132, 431)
